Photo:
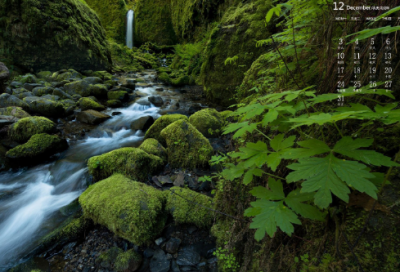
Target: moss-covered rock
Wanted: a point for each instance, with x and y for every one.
(112, 14)
(132, 162)
(14, 111)
(132, 210)
(161, 123)
(80, 87)
(44, 75)
(152, 146)
(86, 103)
(74, 38)
(92, 117)
(153, 22)
(27, 78)
(98, 90)
(186, 146)
(114, 103)
(39, 147)
(107, 259)
(128, 261)
(44, 107)
(104, 75)
(241, 25)
(7, 100)
(164, 77)
(181, 205)
(118, 95)
(25, 128)
(208, 121)
(39, 91)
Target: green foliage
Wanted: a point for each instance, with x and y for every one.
(227, 261)
(232, 60)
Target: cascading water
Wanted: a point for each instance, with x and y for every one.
(129, 28)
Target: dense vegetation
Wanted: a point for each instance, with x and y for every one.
(310, 183)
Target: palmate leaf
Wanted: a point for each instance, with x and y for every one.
(350, 148)
(253, 154)
(320, 119)
(240, 128)
(329, 175)
(233, 171)
(280, 146)
(248, 177)
(311, 148)
(270, 212)
(385, 114)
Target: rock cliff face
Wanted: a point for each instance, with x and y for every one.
(52, 35)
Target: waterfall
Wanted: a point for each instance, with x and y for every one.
(129, 28)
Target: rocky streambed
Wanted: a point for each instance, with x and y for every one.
(142, 145)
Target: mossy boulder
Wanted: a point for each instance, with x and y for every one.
(44, 75)
(132, 162)
(86, 103)
(208, 121)
(44, 107)
(104, 75)
(153, 22)
(181, 205)
(161, 123)
(107, 258)
(27, 78)
(164, 77)
(92, 117)
(98, 90)
(128, 261)
(14, 111)
(131, 210)
(80, 87)
(152, 146)
(118, 95)
(186, 146)
(7, 100)
(39, 147)
(114, 103)
(74, 38)
(39, 91)
(25, 128)
(93, 80)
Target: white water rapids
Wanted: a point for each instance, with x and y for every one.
(129, 28)
(30, 199)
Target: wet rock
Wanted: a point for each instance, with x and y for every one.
(118, 95)
(192, 229)
(159, 241)
(4, 75)
(61, 94)
(86, 103)
(8, 90)
(114, 103)
(115, 113)
(180, 180)
(93, 80)
(152, 146)
(92, 117)
(7, 100)
(39, 147)
(192, 183)
(80, 87)
(39, 91)
(156, 182)
(98, 90)
(25, 128)
(143, 123)
(161, 123)
(188, 256)
(148, 253)
(164, 180)
(16, 84)
(172, 246)
(7, 120)
(130, 84)
(159, 262)
(14, 111)
(159, 89)
(195, 108)
(156, 100)
(175, 266)
(44, 107)
(31, 86)
(51, 97)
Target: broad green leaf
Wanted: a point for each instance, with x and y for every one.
(233, 171)
(248, 177)
(254, 154)
(320, 119)
(271, 215)
(312, 147)
(278, 143)
(350, 148)
(272, 115)
(329, 175)
(275, 192)
(294, 201)
(240, 128)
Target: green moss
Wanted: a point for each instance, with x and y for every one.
(71, 35)
(114, 103)
(124, 260)
(39, 91)
(112, 15)
(117, 95)
(221, 230)
(225, 114)
(161, 123)
(14, 111)
(107, 259)
(132, 162)
(180, 81)
(44, 75)
(132, 210)
(28, 78)
(187, 147)
(98, 90)
(164, 77)
(152, 146)
(104, 75)
(208, 121)
(80, 87)
(86, 103)
(181, 204)
(25, 128)
(38, 146)
(153, 22)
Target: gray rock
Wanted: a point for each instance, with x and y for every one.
(159, 89)
(98, 90)
(143, 123)
(61, 93)
(130, 83)
(31, 86)
(8, 90)
(93, 80)
(148, 253)
(159, 241)
(7, 100)
(44, 107)
(180, 180)
(6, 120)
(92, 117)
(172, 246)
(188, 256)
(16, 84)
(156, 101)
(164, 180)
(39, 91)
(174, 266)
(80, 87)
(51, 97)
(159, 262)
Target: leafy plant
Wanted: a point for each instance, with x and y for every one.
(227, 260)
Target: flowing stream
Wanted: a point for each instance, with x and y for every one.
(129, 28)
(30, 199)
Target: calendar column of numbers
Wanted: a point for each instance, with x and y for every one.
(341, 67)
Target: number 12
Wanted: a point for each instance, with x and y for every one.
(336, 6)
